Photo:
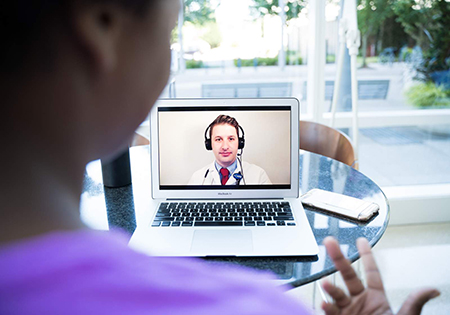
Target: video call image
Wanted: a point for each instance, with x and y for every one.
(224, 149)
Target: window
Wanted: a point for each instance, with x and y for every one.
(249, 48)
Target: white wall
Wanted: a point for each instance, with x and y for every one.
(267, 143)
(418, 204)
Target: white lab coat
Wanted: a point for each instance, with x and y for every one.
(253, 175)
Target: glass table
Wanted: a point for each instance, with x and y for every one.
(130, 206)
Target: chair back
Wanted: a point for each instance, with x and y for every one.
(139, 140)
(327, 141)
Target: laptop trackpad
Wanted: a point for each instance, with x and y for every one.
(222, 242)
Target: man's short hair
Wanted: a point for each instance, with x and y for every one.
(222, 120)
(24, 25)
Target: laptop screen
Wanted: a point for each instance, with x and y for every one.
(224, 147)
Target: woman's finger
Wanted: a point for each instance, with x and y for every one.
(330, 309)
(372, 273)
(353, 283)
(416, 300)
(341, 299)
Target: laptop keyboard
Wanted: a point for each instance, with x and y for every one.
(184, 214)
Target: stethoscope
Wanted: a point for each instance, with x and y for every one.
(237, 176)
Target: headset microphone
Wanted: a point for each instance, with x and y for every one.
(239, 158)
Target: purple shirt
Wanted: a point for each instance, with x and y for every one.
(92, 272)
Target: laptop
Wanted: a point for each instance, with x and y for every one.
(225, 180)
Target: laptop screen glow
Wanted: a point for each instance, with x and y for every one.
(252, 143)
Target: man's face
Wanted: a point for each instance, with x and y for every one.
(225, 143)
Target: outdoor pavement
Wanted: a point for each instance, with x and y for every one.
(389, 156)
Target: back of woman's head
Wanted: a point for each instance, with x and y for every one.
(27, 28)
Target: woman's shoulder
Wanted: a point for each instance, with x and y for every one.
(79, 272)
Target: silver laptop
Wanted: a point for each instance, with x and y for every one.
(225, 180)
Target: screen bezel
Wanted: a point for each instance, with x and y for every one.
(259, 191)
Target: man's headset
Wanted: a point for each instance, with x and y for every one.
(208, 144)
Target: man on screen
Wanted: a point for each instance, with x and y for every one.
(228, 167)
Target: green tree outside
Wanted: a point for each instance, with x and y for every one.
(371, 17)
(272, 7)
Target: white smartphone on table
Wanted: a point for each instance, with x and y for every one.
(350, 207)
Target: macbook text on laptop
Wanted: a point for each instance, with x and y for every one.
(225, 180)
